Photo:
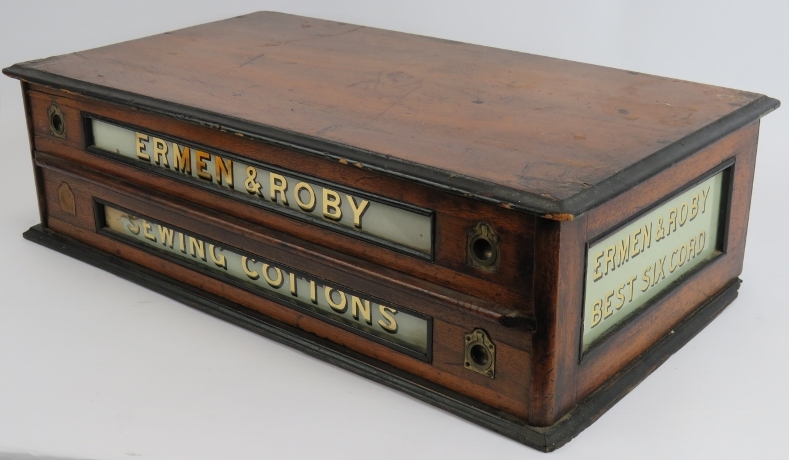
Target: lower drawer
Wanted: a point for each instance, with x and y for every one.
(429, 331)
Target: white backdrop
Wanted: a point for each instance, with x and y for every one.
(94, 367)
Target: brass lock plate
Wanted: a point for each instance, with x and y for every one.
(480, 353)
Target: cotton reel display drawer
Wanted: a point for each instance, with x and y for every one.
(521, 255)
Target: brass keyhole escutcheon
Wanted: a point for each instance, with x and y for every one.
(57, 122)
(483, 248)
(480, 353)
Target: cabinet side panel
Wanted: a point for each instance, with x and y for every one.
(635, 336)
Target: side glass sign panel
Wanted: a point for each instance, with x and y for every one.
(637, 262)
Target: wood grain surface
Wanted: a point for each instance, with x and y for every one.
(531, 132)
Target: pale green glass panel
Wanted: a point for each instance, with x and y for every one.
(410, 331)
(390, 223)
(639, 261)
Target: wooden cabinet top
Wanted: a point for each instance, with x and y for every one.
(531, 133)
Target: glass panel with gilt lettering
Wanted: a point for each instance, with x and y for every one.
(390, 324)
(355, 212)
(637, 262)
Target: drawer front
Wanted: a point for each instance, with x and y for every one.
(477, 248)
(410, 323)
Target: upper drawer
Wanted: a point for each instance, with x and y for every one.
(474, 247)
